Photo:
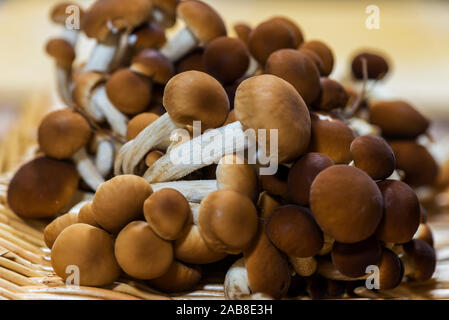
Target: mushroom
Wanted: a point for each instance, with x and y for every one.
(164, 12)
(324, 53)
(401, 212)
(147, 36)
(376, 66)
(275, 184)
(54, 228)
(202, 24)
(332, 95)
(119, 201)
(236, 283)
(178, 278)
(302, 174)
(152, 64)
(63, 134)
(316, 59)
(104, 149)
(374, 156)
(346, 203)
(304, 267)
(424, 233)
(243, 31)
(141, 253)
(419, 260)
(294, 28)
(59, 14)
(391, 270)
(88, 248)
(193, 61)
(86, 215)
(266, 204)
(47, 184)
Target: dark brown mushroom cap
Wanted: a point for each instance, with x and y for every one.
(302, 174)
(391, 270)
(324, 52)
(275, 184)
(316, 59)
(243, 31)
(148, 36)
(141, 253)
(415, 160)
(153, 64)
(267, 267)
(346, 203)
(195, 95)
(202, 20)
(332, 96)
(42, 187)
(138, 123)
(178, 278)
(193, 61)
(298, 69)
(293, 230)
(227, 59)
(91, 250)
(352, 259)
(54, 228)
(377, 66)
(269, 102)
(294, 28)
(374, 156)
(128, 91)
(105, 16)
(62, 51)
(86, 215)
(59, 14)
(268, 37)
(398, 119)
(331, 137)
(62, 133)
(401, 212)
(420, 260)
(168, 9)
(119, 201)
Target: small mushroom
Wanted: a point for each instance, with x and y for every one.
(294, 28)
(316, 59)
(152, 64)
(419, 260)
(86, 215)
(152, 157)
(193, 61)
(178, 278)
(324, 52)
(391, 270)
(54, 228)
(138, 123)
(236, 284)
(164, 12)
(304, 267)
(243, 31)
(147, 36)
(376, 66)
(332, 95)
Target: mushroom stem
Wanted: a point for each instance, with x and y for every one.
(87, 169)
(236, 284)
(252, 68)
(193, 191)
(64, 84)
(304, 267)
(121, 156)
(104, 159)
(102, 56)
(117, 120)
(70, 35)
(179, 45)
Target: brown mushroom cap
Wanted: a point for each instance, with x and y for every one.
(62, 51)
(227, 221)
(346, 203)
(86, 215)
(352, 259)
(376, 66)
(195, 95)
(293, 230)
(298, 69)
(391, 270)
(167, 211)
(54, 228)
(420, 260)
(316, 59)
(276, 184)
(149, 36)
(178, 278)
(302, 174)
(153, 64)
(415, 160)
(192, 61)
(119, 201)
(398, 119)
(85, 84)
(59, 15)
(401, 212)
(331, 137)
(243, 32)
(267, 268)
(332, 96)
(141, 253)
(294, 28)
(42, 187)
(202, 20)
(324, 52)
(62, 133)
(268, 102)
(152, 157)
(374, 156)
(268, 37)
(128, 91)
(227, 59)
(90, 249)
(231, 118)
(138, 123)
(168, 8)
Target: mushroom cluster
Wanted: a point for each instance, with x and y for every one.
(343, 198)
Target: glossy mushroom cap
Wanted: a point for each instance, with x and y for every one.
(398, 119)
(276, 184)
(227, 59)
(243, 32)
(104, 16)
(148, 36)
(62, 51)
(168, 10)
(346, 203)
(332, 96)
(268, 102)
(316, 59)
(302, 174)
(298, 69)
(415, 160)
(138, 123)
(202, 20)
(293, 230)
(376, 66)
(391, 270)
(54, 228)
(192, 61)
(352, 259)
(374, 156)
(401, 212)
(62, 133)
(86, 215)
(196, 96)
(141, 253)
(48, 185)
(91, 250)
(119, 201)
(59, 15)
(331, 137)
(294, 28)
(128, 91)
(227, 221)
(178, 278)
(152, 64)
(419, 260)
(324, 52)
(268, 37)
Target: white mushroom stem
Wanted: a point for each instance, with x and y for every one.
(104, 158)
(179, 45)
(70, 35)
(195, 208)
(197, 153)
(362, 127)
(117, 120)
(193, 191)
(87, 169)
(103, 55)
(236, 283)
(77, 207)
(121, 156)
(64, 84)
(304, 267)
(252, 68)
